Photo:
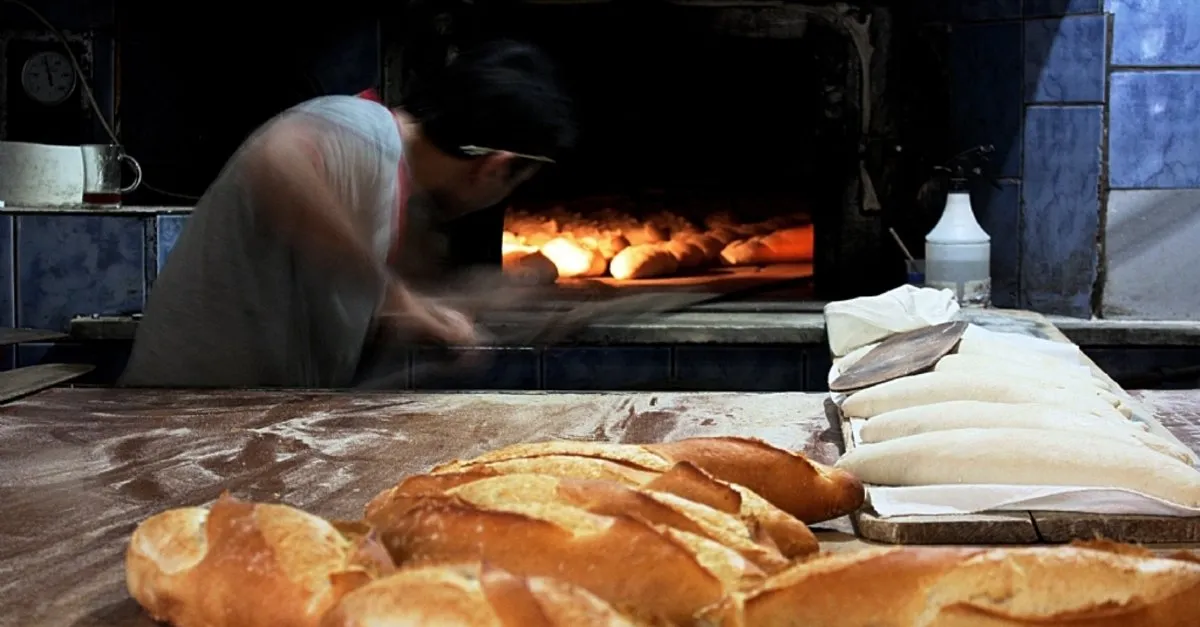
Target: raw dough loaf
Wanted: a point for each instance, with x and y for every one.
(983, 415)
(986, 346)
(1060, 377)
(1032, 376)
(1024, 457)
(939, 387)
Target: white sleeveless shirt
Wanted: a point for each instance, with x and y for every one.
(235, 306)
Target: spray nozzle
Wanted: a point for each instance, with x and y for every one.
(967, 165)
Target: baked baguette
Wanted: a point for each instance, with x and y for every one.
(243, 564)
(471, 595)
(644, 261)
(984, 415)
(605, 498)
(1024, 457)
(652, 572)
(808, 490)
(939, 387)
(966, 587)
(792, 537)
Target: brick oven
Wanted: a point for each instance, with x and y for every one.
(723, 145)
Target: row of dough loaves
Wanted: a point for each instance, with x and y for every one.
(989, 415)
(251, 565)
(553, 533)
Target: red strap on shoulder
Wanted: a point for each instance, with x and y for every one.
(371, 94)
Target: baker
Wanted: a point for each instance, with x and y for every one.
(287, 265)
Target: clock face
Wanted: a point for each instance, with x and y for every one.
(48, 77)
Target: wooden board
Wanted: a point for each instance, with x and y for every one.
(900, 355)
(24, 381)
(1021, 527)
(20, 336)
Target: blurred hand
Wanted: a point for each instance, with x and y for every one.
(405, 311)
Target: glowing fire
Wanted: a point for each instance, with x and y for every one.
(545, 246)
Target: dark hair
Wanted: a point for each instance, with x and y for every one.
(502, 95)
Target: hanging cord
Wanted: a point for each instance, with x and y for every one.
(87, 89)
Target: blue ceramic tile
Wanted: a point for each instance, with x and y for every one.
(109, 358)
(752, 369)
(1044, 8)
(168, 228)
(989, 91)
(616, 368)
(1064, 59)
(817, 363)
(1062, 209)
(999, 213)
(496, 369)
(69, 265)
(1151, 254)
(1155, 32)
(1154, 130)
(1144, 367)
(985, 9)
(8, 314)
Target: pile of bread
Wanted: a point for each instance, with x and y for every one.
(992, 413)
(563, 534)
(540, 248)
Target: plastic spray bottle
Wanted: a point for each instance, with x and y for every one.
(958, 252)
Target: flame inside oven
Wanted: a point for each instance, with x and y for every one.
(558, 244)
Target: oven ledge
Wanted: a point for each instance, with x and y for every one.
(724, 327)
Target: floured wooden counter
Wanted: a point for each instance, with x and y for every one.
(79, 468)
(1025, 527)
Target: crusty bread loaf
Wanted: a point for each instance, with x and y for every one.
(471, 595)
(643, 261)
(196, 567)
(1024, 457)
(805, 489)
(792, 537)
(649, 571)
(605, 498)
(966, 587)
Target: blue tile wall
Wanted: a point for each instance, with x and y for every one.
(615, 368)
(1154, 130)
(495, 369)
(1153, 145)
(1155, 33)
(1017, 68)
(1061, 193)
(740, 368)
(1064, 59)
(1043, 8)
(8, 283)
(974, 10)
(988, 90)
(168, 228)
(69, 265)
(999, 213)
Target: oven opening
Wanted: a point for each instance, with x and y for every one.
(715, 144)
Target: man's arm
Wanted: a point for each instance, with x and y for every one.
(294, 199)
